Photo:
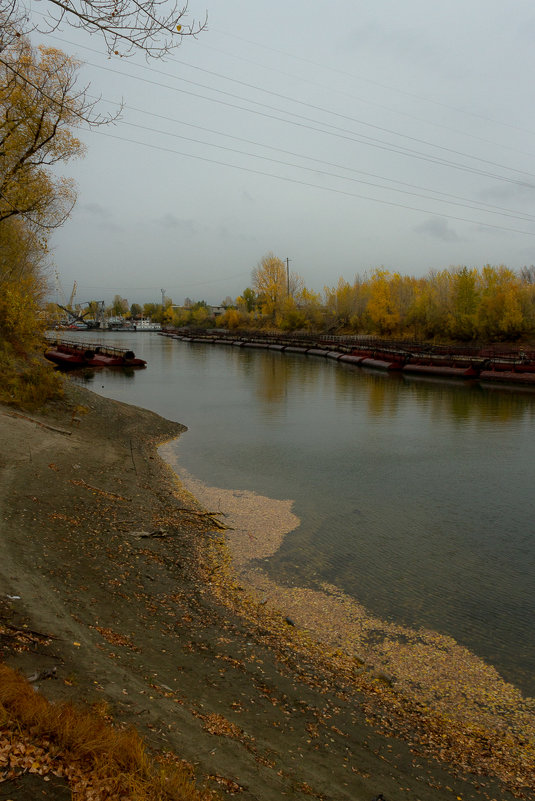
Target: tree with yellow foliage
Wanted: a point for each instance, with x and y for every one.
(39, 107)
(270, 283)
(499, 314)
(382, 309)
(464, 301)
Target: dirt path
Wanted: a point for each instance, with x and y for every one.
(110, 564)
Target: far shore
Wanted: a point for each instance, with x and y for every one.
(131, 587)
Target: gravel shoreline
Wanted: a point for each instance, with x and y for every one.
(125, 582)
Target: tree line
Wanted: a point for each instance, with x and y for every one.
(492, 303)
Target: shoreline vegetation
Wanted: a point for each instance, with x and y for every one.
(121, 592)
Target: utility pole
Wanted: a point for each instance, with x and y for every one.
(163, 298)
(287, 276)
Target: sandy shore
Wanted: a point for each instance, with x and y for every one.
(114, 574)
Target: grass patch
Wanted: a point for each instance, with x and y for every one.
(26, 380)
(81, 745)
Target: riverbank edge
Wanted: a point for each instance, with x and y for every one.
(87, 421)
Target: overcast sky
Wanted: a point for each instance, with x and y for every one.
(345, 136)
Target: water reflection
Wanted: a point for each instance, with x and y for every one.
(272, 381)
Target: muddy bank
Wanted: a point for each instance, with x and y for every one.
(119, 579)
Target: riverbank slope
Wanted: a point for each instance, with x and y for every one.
(108, 574)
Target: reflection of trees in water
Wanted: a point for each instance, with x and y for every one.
(278, 376)
(442, 399)
(169, 351)
(470, 401)
(200, 351)
(384, 395)
(379, 392)
(273, 375)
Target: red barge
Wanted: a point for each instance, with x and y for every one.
(75, 355)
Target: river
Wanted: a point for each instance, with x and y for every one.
(414, 497)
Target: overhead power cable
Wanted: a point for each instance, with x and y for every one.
(376, 142)
(430, 100)
(367, 101)
(336, 131)
(481, 205)
(346, 117)
(310, 185)
(512, 215)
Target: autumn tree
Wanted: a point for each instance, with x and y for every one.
(35, 136)
(24, 379)
(39, 107)
(464, 301)
(231, 318)
(346, 303)
(153, 311)
(428, 313)
(269, 281)
(382, 309)
(311, 307)
(22, 283)
(248, 300)
(273, 284)
(118, 307)
(22, 253)
(499, 313)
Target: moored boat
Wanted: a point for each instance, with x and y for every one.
(68, 358)
(74, 355)
(146, 325)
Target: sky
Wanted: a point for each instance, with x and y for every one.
(344, 136)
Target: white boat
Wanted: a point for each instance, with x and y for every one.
(146, 325)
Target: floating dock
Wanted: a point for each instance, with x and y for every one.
(404, 358)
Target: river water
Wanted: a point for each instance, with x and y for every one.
(414, 496)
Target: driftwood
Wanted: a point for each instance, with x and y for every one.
(45, 673)
(211, 515)
(79, 482)
(19, 630)
(159, 534)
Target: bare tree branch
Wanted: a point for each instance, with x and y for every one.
(154, 27)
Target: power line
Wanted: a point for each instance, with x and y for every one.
(310, 185)
(423, 98)
(434, 196)
(396, 148)
(183, 284)
(390, 109)
(314, 159)
(523, 217)
(344, 116)
(336, 131)
(347, 74)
